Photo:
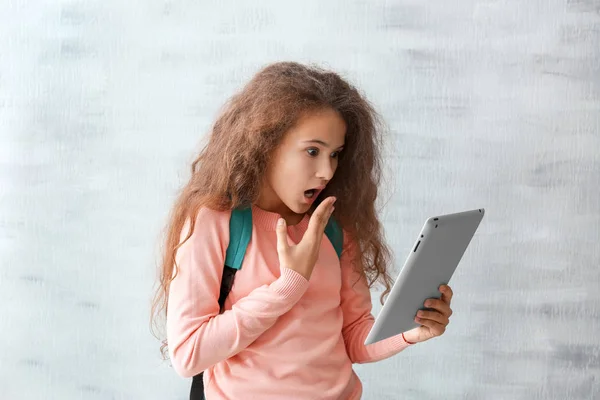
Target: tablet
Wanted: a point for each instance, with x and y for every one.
(431, 263)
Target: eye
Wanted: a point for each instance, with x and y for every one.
(313, 152)
(335, 154)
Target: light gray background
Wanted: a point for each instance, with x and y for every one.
(491, 104)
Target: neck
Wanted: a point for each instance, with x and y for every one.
(291, 218)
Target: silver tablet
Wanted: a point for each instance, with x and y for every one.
(431, 263)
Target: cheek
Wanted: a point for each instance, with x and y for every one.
(295, 164)
(289, 174)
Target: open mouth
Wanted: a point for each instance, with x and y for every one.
(311, 193)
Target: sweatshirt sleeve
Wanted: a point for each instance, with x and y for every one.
(356, 307)
(198, 336)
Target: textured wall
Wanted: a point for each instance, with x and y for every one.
(491, 104)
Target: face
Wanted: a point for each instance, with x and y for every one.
(303, 164)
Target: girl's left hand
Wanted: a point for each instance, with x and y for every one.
(433, 323)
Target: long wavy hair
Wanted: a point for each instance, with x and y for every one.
(229, 170)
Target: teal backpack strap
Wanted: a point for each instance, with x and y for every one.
(240, 231)
(335, 235)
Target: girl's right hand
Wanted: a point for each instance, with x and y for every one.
(303, 256)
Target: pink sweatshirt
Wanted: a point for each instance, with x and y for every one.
(280, 336)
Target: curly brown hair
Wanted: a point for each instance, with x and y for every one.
(229, 170)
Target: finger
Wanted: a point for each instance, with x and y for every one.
(438, 305)
(447, 293)
(282, 243)
(318, 220)
(433, 316)
(434, 327)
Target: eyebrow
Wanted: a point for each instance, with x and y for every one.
(322, 143)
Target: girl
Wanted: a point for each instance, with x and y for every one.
(298, 145)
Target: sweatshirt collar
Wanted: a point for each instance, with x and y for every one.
(268, 220)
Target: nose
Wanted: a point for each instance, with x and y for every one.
(326, 169)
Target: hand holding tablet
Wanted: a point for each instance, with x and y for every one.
(428, 268)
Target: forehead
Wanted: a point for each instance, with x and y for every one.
(324, 125)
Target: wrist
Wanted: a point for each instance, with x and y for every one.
(408, 338)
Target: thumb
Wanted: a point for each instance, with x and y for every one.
(282, 243)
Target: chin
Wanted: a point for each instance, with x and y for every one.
(298, 207)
